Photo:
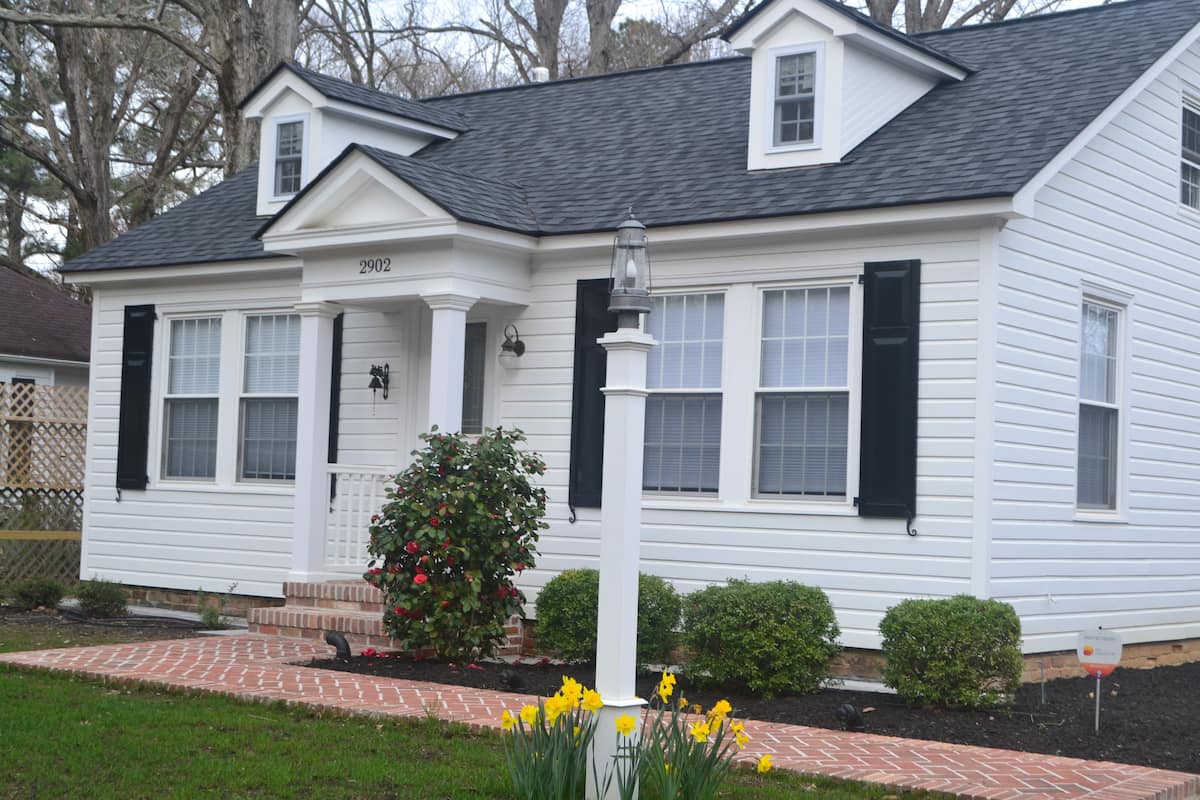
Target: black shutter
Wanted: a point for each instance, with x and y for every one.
(335, 388)
(133, 432)
(592, 320)
(887, 483)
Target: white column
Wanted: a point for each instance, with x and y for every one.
(620, 540)
(448, 340)
(312, 440)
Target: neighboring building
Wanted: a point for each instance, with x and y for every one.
(952, 276)
(45, 333)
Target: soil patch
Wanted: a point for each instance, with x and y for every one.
(1148, 716)
(44, 629)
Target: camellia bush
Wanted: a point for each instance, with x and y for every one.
(459, 524)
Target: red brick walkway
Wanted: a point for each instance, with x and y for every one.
(260, 668)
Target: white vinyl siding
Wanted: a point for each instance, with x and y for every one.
(192, 400)
(1108, 227)
(267, 439)
(1099, 411)
(803, 402)
(795, 99)
(683, 412)
(1189, 167)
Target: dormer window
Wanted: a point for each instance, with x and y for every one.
(289, 157)
(795, 99)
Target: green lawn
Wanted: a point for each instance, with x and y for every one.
(64, 737)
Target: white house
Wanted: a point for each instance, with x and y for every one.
(926, 309)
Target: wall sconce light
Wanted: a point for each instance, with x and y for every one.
(380, 378)
(512, 347)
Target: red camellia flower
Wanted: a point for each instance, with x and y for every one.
(398, 611)
(424, 559)
(442, 508)
(420, 579)
(433, 521)
(445, 604)
(411, 548)
(519, 566)
(369, 652)
(374, 518)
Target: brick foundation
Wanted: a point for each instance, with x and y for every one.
(236, 605)
(1133, 656)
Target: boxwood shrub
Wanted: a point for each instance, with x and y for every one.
(37, 593)
(960, 652)
(567, 610)
(101, 599)
(770, 638)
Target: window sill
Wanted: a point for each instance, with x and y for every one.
(1102, 517)
(752, 506)
(1187, 212)
(215, 488)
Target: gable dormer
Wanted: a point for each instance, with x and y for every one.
(824, 78)
(308, 119)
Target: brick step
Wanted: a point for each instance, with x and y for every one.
(353, 591)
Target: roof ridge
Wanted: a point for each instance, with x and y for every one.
(1099, 7)
(581, 78)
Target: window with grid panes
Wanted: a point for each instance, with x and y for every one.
(683, 410)
(269, 398)
(191, 402)
(1189, 171)
(803, 398)
(1099, 410)
(289, 157)
(474, 370)
(795, 98)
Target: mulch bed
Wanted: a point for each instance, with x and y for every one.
(1148, 717)
(54, 628)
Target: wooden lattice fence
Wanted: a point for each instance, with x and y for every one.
(43, 434)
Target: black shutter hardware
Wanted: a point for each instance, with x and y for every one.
(592, 320)
(887, 485)
(133, 431)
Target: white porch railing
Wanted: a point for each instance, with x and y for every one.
(355, 494)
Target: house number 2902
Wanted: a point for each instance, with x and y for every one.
(369, 265)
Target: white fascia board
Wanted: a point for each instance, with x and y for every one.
(904, 56)
(285, 81)
(255, 268)
(386, 120)
(957, 212)
(412, 231)
(42, 362)
(1025, 198)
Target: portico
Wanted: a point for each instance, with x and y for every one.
(369, 240)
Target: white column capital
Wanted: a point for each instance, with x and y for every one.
(318, 308)
(449, 300)
(627, 339)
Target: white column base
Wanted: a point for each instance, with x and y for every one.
(606, 743)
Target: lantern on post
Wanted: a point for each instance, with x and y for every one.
(621, 507)
(630, 295)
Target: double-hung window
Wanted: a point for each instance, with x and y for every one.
(1099, 407)
(1189, 170)
(683, 410)
(289, 157)
(192, 399)
(270, 398)
(795, 99)
(803, 398)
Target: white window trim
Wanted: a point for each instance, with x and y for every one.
(233, 322)
(242, 394)
(158, 408)
(681, 498)
(819, 92)
(1122, 303)
(305, 155)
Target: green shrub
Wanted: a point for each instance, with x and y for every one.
(37, 593)
(103, 599)
(770, 638)
(460, 524)
(567, 610)
(962, 652)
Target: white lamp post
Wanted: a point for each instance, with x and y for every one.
(621, 498)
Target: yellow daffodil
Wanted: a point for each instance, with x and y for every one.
(720, 711)
(555, 707)
(667, 768)
(507, 721)
(764, 764)
(571, 691)
(741, 738)
(576, 732)
(699, 731)
(682, 702)
(529, 714)
(592, 701)
(697, 709)
(626, 724)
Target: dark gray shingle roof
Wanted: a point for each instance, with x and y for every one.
(672, 141)
(41, 320)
